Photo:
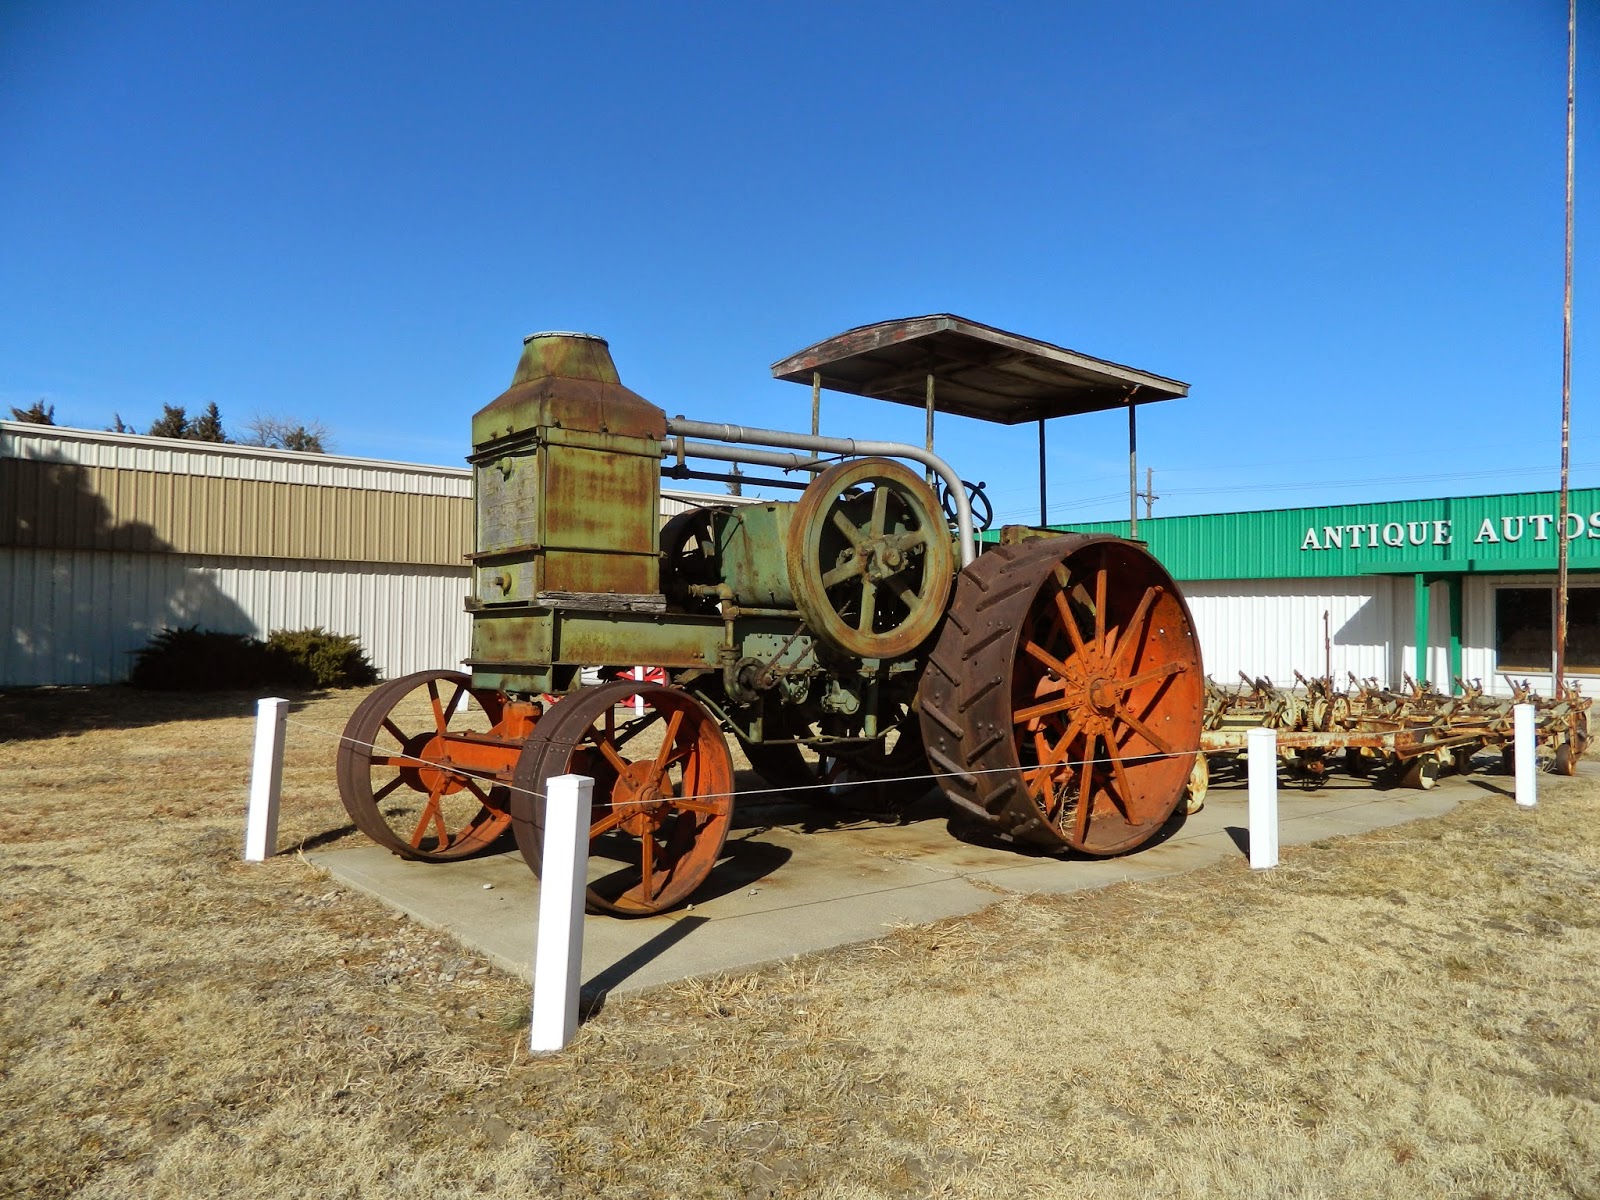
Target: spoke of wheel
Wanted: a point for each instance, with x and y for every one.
(1044, 656)
(1064, 610)
(1052, 757)
(608, 822)
(450, 709)
(1123, 796)
(1034, 712)
(1100, 609)
(869, 605)
(906, 593)
(430, 810)
(669, 742)
(1161, 672)
(387, 788)
(845, 526)
(1134, 629)
(471, 785)
(394, 731)
(1085, 790)
(647, 864)
(393, 760)
(610, 754)
(880, 511)
(841, 573)
(685, 804)
(1143, 730)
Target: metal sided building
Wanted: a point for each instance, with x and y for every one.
(107, 538)
(1434, 589)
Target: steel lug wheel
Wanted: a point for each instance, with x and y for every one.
(663, 792)
(423, 763)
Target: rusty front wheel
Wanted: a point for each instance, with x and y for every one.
(1063, 702)
(663, 792)
(417, 764)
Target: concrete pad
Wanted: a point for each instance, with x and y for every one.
(796, 879)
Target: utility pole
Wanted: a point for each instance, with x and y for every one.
(1566, 360)
(1148, 495)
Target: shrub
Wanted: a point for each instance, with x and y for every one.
(324, 659)
(195, 659)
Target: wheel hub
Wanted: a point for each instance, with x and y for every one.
(645, 796)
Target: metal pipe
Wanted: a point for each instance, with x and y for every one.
(929, 438)
(726, 477)
(1043, 501)
(681, 429)
(816, 404)
(1133, 468)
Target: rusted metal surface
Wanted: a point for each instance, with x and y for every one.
(416, 777)
(869, 557)
(980, 371)
(1062, 704)
(662, 804)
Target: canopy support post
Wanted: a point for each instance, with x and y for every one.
(1044, 504)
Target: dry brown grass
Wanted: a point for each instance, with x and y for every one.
(1407, 1013)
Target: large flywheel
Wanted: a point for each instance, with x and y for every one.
(1063, 702)
(870, 558)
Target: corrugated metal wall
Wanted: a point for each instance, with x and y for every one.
(107, 538)
(76, 490)
(1275, 628)
(78, 616)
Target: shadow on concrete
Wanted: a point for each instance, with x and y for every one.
(592, 996)
(1240, 837)
(745, 860)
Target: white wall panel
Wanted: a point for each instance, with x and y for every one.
(78, 617)
(1274, 627)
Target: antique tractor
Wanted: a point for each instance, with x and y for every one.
(1052, 686)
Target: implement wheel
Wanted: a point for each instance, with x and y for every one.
(663, 792)
(1063, 702)
(421, 770)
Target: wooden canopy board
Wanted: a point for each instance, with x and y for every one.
(978, 371)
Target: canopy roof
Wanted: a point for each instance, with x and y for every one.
(978, 371)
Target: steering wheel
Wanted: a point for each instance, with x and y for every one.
(977, 500)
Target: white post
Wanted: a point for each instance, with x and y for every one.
(638, 699)
(1523, 755)
(266, 780)
(1262, 752)
(563, 879)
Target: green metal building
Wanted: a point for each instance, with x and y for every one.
(1462, 587)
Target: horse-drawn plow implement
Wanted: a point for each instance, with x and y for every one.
(1409, 735)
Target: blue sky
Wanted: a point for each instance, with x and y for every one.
(1341, 224)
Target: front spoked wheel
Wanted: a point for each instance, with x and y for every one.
(663, 792)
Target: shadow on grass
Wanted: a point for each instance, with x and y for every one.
(592, 996)
(41, 713)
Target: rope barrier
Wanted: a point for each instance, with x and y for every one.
(837, 785)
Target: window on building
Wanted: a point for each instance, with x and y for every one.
(1524, 629)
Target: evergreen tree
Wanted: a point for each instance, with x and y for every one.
(207, 427)
(119, 426)
(174, 423)
(38, 414)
